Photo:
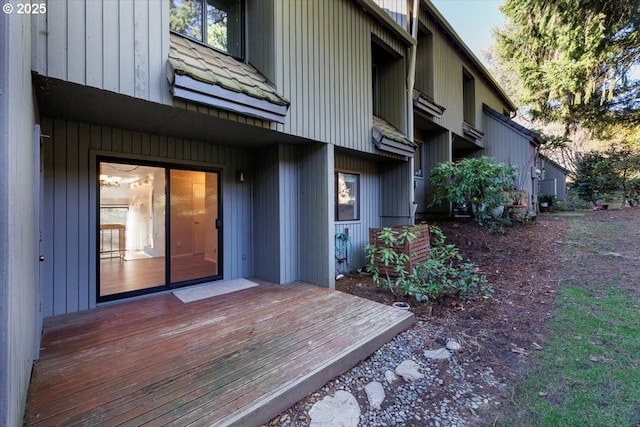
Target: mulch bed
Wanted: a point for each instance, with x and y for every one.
(499, 331)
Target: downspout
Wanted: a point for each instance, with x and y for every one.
(411, 77)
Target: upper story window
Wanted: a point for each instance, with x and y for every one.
(387, 81)
(216, 23)
(469, 98)
(424, 63)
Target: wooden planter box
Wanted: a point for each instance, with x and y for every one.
(417, 251)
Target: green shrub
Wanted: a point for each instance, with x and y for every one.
(481, 182)
(443, 274)
(548, 198)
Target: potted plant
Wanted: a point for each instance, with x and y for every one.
(518, 207)
(547, 202)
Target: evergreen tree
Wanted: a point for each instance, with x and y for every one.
(575, 59)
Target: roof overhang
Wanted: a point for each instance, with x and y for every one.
(387, 138)
(387, 21)
(189, 89)
(200, 74)
(473, 133)
(427, 105)
(534, 137)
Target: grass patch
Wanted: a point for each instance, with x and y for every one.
(589, 372)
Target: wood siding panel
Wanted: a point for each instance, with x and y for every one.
(260, 39)
(424, 81)
(126, 54)
(94, 44)
(324, 69)
(369, 209)
(396, 179)
(118, 46)
(56, 59)
(447, 76)
(289, 215)
(316, 215)
(266, 229)
(509, 146)
(110, 46)
(437, 149)
(76, 39)
(19, 205)
(70, 197)
(552, 172)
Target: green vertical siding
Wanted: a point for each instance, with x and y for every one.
(19, 191)
(323, 67)
(369, 207)
(511, 147)
(316, 183)
(447, 75)
(260, 37)
(121, 46)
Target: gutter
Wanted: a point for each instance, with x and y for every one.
(411, 78)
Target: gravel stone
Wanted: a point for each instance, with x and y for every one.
(409, 403)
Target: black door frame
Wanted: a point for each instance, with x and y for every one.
(167, 166)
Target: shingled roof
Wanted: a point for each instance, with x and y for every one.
(387, 138)
(228, 75)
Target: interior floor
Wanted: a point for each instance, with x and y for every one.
(118, 276)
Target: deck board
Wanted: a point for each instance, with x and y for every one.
(235, 359)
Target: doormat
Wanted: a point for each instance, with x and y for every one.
(213, 289)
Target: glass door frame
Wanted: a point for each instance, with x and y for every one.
(168, 167)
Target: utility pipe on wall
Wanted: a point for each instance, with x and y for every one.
(410, 83)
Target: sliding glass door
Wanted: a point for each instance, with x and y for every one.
(194, 236)
(146, 244)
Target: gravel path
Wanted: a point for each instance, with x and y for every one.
(450, 394)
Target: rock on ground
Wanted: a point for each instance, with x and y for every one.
(441, 353)
(453, 345)
(409, 370)
(375, 394)
(341, 410)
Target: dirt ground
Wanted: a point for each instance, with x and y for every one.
(526, 269)
(526, 266)
(521, 264)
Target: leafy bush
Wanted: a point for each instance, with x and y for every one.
(611, 171)
(442, 274)
(481, 182)
(548, 198)
(576, 202)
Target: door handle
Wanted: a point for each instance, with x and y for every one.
(218, 223)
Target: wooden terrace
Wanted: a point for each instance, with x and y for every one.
(234, 359)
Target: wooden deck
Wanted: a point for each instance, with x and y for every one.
(235, 359)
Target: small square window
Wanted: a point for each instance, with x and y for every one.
(347, 196)
(417, 161)
(216, 23)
